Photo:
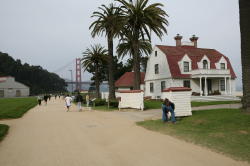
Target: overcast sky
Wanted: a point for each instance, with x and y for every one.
(52, 33)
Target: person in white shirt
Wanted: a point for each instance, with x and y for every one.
(68, 101)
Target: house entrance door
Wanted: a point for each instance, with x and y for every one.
(18, 93)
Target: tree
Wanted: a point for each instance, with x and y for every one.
(126, 48)
(93, 60)
(109, 21)
(244, 6)
(38, 79)
(142, 19)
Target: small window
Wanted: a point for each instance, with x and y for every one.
(155, 53)
(151, 87)
(156, 68)
(222, 66)
(222, 85)
(186, 83)
(163, 85)
(186, 66)
(205, 64)
(1, 93)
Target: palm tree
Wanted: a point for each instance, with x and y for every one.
(93, 59)
(142, 19)
(126, 47)
(109, 21)
(245, 51)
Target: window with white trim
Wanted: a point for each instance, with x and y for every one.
(222, 85)
(163, 85)
(155, 53)
(151, 87)
(186, 66)
(222, 66)
(156, 68)
(205, 64)
(186, 83)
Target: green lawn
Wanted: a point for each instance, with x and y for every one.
(104, 108)
(223, 130)
(156, 104)
(199, 103)
(3, 130)
(15, 107)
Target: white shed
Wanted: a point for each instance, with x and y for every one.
(10, 88)
(181, 97)
(131, 99)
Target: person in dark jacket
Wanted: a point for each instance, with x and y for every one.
(167, 107)
(79, 101)
(45, 98)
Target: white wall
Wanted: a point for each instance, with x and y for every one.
(182, 101)
(161, 59)
(131, 100)
(10, 87)
(157, 87)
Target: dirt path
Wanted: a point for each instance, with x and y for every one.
(49, 136)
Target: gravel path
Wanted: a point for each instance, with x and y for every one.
(49, 136)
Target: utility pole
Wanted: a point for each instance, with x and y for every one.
(71, 80)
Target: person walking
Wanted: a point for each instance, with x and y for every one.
(68, 101)
(87, 100)
(167, 107)
(45, 98)
(79, 101)
(39, 100)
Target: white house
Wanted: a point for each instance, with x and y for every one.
(205, 71)
(10, 88)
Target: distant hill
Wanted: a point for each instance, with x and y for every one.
(38, 79)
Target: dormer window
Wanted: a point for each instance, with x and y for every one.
(222, 66)
(155, 53)
(205, 64)
(186, 66)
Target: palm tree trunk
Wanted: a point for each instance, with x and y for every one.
(136, 58)
(111, 68)
(245, 51)
(97, 83)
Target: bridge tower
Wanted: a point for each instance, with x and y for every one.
(78, 74)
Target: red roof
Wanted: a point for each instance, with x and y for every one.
(175, 89)
(127, 80)
(175, 54)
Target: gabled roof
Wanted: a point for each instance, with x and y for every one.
(175, 54)
(127, 80)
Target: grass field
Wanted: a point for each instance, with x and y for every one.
(104, 108)
(156, 104)
(15, 107)
(3, 130)
(223, 130)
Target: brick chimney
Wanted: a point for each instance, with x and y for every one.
(194, 40)
(178, 40)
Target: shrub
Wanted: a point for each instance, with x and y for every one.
(99, 102)
(114, 103)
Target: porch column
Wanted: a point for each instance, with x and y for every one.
(225, 85)
(205, 86)
(200, 86)
(230, 85)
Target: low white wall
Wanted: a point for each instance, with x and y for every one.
(131, 99)
(182, 101)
